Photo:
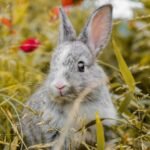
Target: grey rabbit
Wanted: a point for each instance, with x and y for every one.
(73, 68)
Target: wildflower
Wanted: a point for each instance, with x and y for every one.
(123, 9)
(6, 22)
(29, 45)
(71, 2)
(54, 13)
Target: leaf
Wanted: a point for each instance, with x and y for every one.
(125, 102)
(125, 72)
(100, 134)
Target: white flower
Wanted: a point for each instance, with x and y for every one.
(122, 8)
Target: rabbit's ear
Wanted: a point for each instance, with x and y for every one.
(67, 32)
(98, 28)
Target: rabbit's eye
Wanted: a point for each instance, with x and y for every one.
(81, 66)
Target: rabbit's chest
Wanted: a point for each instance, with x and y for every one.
(61, 117)
(54, 119)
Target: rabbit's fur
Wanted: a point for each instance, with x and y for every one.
(51, 106)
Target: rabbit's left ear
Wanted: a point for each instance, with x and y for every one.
(67, 32)
(97, 31)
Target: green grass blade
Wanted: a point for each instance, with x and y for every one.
(125, 72)
(100, 134)
(125, 102)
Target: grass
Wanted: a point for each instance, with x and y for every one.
(21, 74)
(18, 84)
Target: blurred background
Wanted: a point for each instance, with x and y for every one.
(28, 35)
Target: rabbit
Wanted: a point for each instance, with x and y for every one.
(73, 68)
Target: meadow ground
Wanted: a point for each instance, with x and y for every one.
(126, 61)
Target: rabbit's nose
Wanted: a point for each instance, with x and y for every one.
(60, 86)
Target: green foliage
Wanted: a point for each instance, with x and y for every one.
(100, 134)
(22, 73)
(125, 72)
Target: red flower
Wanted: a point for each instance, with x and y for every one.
(55, 10)
(54, 13)
(6, 22)
(29, 45)
(67, 2)
(71, 2)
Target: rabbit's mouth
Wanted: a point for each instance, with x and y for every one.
(69, 96)
(64, 99)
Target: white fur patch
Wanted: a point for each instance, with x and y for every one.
(60, 78)
(64, 53)
(62, 59)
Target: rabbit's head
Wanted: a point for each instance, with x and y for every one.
(73, 63)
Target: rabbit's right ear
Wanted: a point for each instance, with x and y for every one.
(67, 32)
(97, 30)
